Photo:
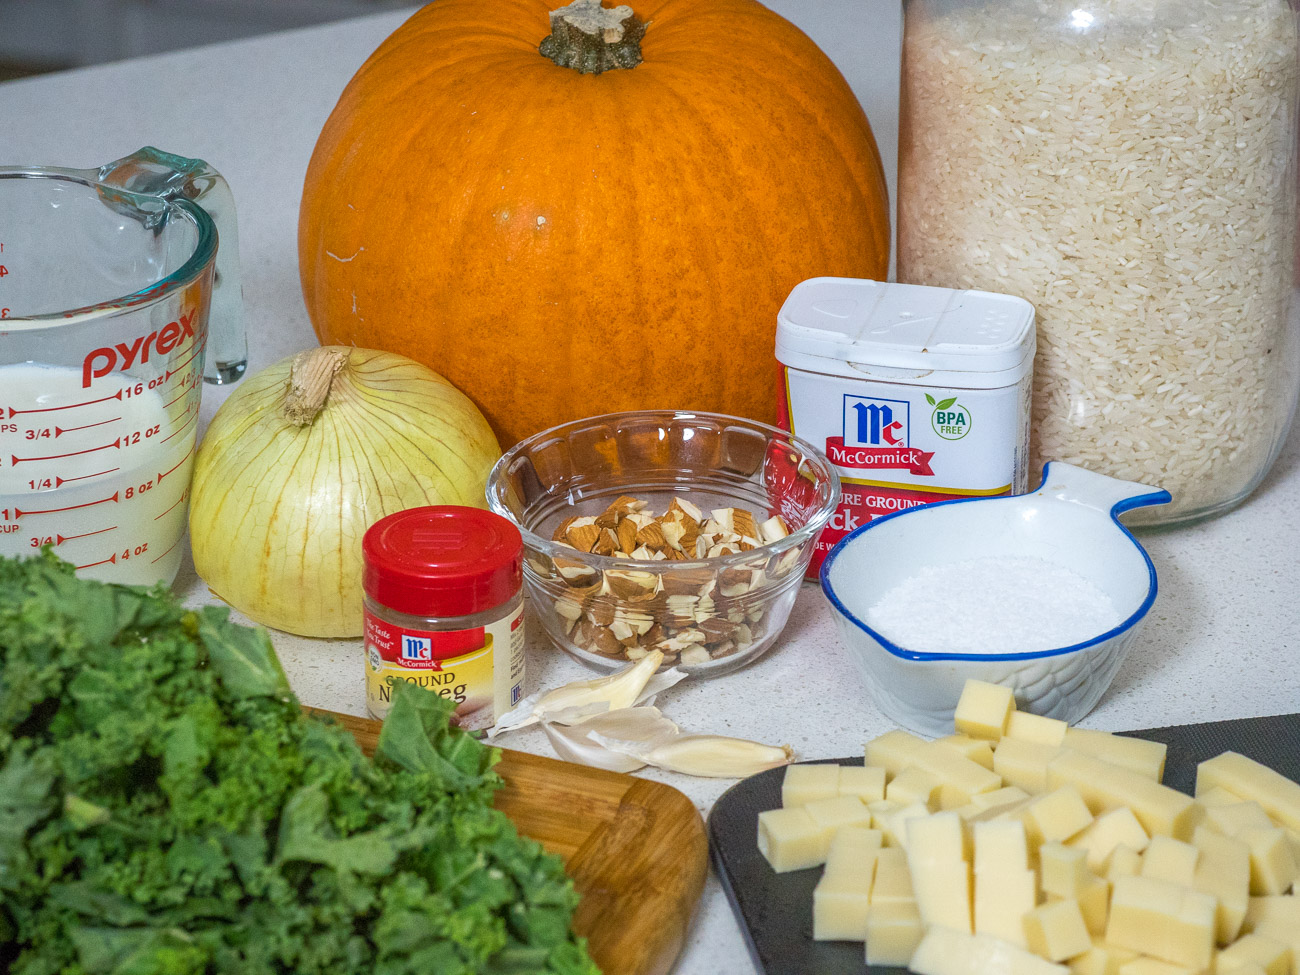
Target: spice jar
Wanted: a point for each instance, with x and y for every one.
(444, 610)
(916, 394)
(1128, 166)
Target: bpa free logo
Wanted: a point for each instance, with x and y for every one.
(875, 422)
(949, 418)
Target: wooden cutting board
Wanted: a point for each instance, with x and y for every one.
(636, 850)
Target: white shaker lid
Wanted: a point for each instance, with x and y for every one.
(900, 332)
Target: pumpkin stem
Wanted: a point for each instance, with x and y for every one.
(590, 38)
(310, 376)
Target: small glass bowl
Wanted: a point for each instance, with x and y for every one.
(708, 615)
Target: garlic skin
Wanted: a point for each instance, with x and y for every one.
(578, 701)
(307, 454)
(640, 726)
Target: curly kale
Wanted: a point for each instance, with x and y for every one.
(166, 808)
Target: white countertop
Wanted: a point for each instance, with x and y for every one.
(1223, 639)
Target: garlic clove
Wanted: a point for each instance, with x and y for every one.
(577, 701)
(709, 756)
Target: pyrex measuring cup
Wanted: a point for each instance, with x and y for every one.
(106, 284)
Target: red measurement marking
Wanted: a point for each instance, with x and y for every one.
(181, 500)
(71, 406)
(184, 393)
(68, 538)
(181, 429)
(198, 346)
(60, 481)
(169, 548)
(178, 463)
(75, 453)
(90, 565)
(51, 511)
(60, 431)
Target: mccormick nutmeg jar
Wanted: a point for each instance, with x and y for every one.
(916, 394)
(444, 610)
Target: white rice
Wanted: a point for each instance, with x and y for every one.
(1134, 182)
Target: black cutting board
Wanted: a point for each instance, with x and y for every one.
(775, 910)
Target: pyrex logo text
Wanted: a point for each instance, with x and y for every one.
(100, 362)
(875, 422)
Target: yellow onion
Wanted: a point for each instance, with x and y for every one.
(305, 456)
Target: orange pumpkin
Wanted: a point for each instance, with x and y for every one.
(562, 235)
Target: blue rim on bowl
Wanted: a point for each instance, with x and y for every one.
(1136, 501)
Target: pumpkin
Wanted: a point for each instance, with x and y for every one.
(588, 210)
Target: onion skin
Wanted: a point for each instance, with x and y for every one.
(278, 510)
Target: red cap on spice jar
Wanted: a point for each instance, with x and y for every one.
(442, 560)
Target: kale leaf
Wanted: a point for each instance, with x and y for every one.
(166, 808)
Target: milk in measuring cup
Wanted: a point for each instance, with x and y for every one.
(101, 473)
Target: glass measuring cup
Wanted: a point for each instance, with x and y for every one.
(109, 279)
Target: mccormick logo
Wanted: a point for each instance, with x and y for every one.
(416, 647)
(875, 437)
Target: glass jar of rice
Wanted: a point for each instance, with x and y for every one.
(1128, 166)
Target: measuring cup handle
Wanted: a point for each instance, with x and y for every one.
(156, 173)
(1066, 482)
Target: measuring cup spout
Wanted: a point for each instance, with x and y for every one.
(152, 172)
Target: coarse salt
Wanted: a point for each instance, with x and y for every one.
(993, 605)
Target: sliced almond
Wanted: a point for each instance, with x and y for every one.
(772, 529)
(626, 536)
(568, 608)
(673, 532)
(724, 517)
(716, 629)
(682, 608)
(687, 582)
(786, 562)
(688, 508)
(640, 518)
(695, 655)
(562, 529)
(736, 582)
(606, 643)
(578, 575)
(631, 583)
(742, 523)
(607, 544)
(583, 537)
(600, 612)
(641, 552)
(651, 536)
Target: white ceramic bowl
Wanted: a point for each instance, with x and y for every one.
(1071, 520)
